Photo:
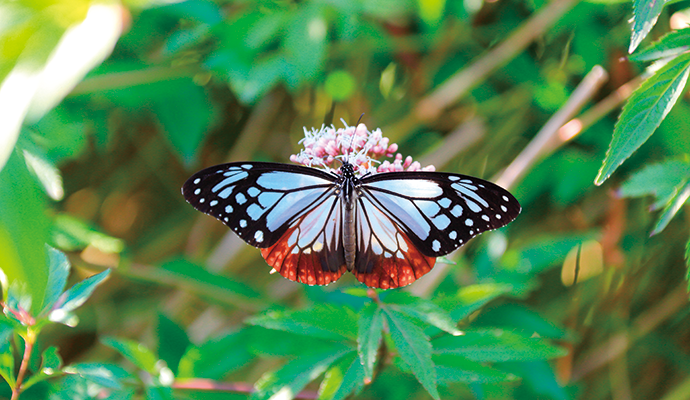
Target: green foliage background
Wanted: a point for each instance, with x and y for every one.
(96, 168)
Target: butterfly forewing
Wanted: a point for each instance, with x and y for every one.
(440, 212)
(259, 201)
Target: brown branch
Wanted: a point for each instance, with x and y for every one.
(461, 82)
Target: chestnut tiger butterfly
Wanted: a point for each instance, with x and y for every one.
(385, 228)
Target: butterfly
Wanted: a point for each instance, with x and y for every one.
(312, 225)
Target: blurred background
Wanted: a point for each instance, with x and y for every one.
(149, 92)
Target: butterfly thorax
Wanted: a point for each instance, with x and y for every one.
(349, 198)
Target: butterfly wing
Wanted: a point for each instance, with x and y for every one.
(290, 212)
(405, 220)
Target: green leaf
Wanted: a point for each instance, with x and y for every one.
(289, 380)
(414, 348)
(643, 113)
(76, 296)
(274, 343)
(342, 378)
(6, 356)
(662, 180)
(59, 268)
(496, 345)
(452, 368)
(172, 341)
(23, 234)
(71, 234)
(305, 45)
(668, 45)
(105, 375)
(200, 281)
(471, 298)
(522, 320)
(645, 14)
(322, 321)
(423, 310)
(135, 352)
(217, 357)
(369, 336)
(672, 208)
(50, 365)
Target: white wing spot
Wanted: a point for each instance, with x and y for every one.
(473, 206)
(453, 235)
(485, 217)
(247, 166)
(454, 178)
(197, 191)
(456, 211)
(317, 246)
(228, 209)
(498, 216)
(252, 191)
(225, 219)
(503, 208)
(240, 198)
(444, 202)
(197, 180)
(505, 198)
(259, 236)
(469, 222)
(435, 245)
(243, 223)
(213, 203)
(201, 200)
(471, 232)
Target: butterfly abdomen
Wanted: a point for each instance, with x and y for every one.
(349, 198)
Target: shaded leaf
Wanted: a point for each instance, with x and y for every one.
(496, 345)
(290, 379)
(342, 378)
(6, 356)
(672, 208)
(172, 341)
(50, 365)
(369, 336)
(423, 310)
(519, 318)
(106, 375)
(217, 357)
(452, 368)
(305, 45)
(322, 321)
(275, 343)
(669, 45)
(643, 113)
(414, 348)
(471, 298)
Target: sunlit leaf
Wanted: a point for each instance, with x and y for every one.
(669, 45)
(290, 379)
(323, 321)
(496, 345)
(414, 348)
(137, 353)
(471, 298)
(662, 180)
(369, 336)
(672, 208)
(23, 234)
(643, 113)
(645, 14)
(342, 378)
(452, 368)
(78, 294)
(59, 268)
(423, 310)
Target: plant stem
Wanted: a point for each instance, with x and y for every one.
(28, 348)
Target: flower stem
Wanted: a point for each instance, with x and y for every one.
(28, 348)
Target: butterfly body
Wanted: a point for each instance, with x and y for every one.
(312, 226)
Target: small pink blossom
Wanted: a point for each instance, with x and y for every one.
(359, 146)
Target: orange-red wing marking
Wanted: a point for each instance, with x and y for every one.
(311, 251)
(394, 272)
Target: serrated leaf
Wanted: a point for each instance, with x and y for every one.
(106, 375)
(290, 379)
(135, 352)
(643, 113)
(273, 343)
(322, 321)
(452, 368)
(668, 45)
(645, 14)
(342, 378)
(58, 272)
(672, 208)
(414, 348)
(497, 345)
(663, 180)
(471, 298)
(218, 356)
(77, 295)
(423, 310)
(369, 337)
